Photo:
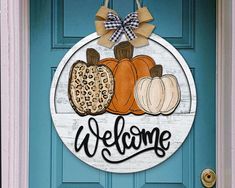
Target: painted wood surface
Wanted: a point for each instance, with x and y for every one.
(49, 46)
(179, 123)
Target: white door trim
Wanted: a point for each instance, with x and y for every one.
(15, 93)
(225, 94)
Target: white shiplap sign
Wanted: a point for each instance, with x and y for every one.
(124, 143)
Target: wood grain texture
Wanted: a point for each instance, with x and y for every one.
(179, 123)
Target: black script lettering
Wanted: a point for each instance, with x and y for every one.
(136, 132)
(148, 138)
(117, 134)
(166, 135)
(85, 141)
(134, 139)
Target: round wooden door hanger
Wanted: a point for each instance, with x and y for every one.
(123, 109)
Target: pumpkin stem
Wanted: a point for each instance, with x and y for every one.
(92, 56)
(156, 71)
(123, 50)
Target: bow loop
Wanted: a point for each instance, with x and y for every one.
(114, 22)
(132, 20)
(112, 17)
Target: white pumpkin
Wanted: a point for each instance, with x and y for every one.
(158, 93)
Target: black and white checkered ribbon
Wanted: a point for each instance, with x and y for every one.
(126, 26)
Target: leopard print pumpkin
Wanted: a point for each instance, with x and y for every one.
(91, 86)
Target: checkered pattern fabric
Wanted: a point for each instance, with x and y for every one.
(126, 26)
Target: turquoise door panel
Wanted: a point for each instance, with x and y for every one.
(57, 25)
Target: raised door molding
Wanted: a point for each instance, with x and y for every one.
(66, 24)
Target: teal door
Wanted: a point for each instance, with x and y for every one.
(56, 25)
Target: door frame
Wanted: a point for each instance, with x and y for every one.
(225, 92)
(15, 93)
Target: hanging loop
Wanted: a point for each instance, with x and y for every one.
(106, 3)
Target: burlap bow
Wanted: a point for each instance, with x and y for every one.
(141, 31)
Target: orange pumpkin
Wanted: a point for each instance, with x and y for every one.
(126, 71)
